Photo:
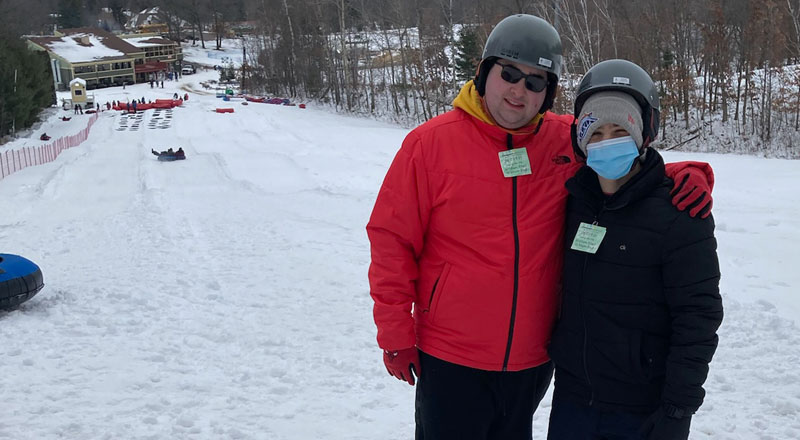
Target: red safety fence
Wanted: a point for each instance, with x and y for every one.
(12, 161)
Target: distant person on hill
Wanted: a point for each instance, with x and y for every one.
(44, 137)
(466, 242)
(640, 305)
(180, 153)
(168, 152)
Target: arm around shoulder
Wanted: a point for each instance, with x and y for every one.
(694, 182)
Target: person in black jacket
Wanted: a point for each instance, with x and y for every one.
(640, 305)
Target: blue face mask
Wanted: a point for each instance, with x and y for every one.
(612, 158)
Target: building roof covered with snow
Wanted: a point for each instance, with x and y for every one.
(150, 41)
(86, 45)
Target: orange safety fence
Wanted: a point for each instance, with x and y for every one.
(12, 161)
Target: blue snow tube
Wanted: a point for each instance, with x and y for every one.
(20, 279)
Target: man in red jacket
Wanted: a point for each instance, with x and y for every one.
(466, 239)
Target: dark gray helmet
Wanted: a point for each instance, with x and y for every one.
(526, 39)
(622, 76)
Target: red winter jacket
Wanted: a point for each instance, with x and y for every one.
(478, 255)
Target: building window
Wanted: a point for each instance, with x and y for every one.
(78, 92)
(84, 69)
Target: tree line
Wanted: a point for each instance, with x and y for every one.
(722, 66)
(26, 86)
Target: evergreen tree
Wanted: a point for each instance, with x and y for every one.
(468, 54)
(22, 100)
(667, 58)
(70, 13)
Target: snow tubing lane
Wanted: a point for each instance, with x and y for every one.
(20, 280)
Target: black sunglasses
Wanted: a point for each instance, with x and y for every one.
(533, 82)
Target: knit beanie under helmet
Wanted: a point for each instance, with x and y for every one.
(610, 108)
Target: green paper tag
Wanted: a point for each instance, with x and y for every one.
(515, 162)
(588, 238)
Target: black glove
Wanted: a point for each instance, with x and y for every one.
(664, 425)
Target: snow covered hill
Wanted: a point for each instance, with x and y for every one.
(225, 296)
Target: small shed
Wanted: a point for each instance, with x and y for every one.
(78, 89)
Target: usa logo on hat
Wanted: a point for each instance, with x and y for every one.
(586, 121)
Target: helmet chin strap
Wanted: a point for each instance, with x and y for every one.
(483, 74)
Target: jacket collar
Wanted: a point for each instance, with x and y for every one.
(585, 185)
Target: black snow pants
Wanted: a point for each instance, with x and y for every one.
(454, 402)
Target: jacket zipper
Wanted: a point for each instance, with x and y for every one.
(583, 319)
(585, 333)
(510, 145)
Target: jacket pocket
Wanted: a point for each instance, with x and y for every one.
(436, 292)
(617, 358)
(653, 356)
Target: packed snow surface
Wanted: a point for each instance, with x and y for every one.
(226, 296)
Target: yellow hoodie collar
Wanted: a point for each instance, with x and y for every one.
(471, 102)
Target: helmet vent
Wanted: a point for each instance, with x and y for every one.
(509, 53)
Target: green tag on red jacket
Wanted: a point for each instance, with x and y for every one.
(588, 238)
(515, 162)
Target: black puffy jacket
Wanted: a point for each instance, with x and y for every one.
(638, 319)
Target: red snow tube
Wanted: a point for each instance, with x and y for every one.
(163, 103)
(225, 110)
(159, 103)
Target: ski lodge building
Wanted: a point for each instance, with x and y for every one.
(103, 59)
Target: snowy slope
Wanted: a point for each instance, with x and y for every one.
(225, 296)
